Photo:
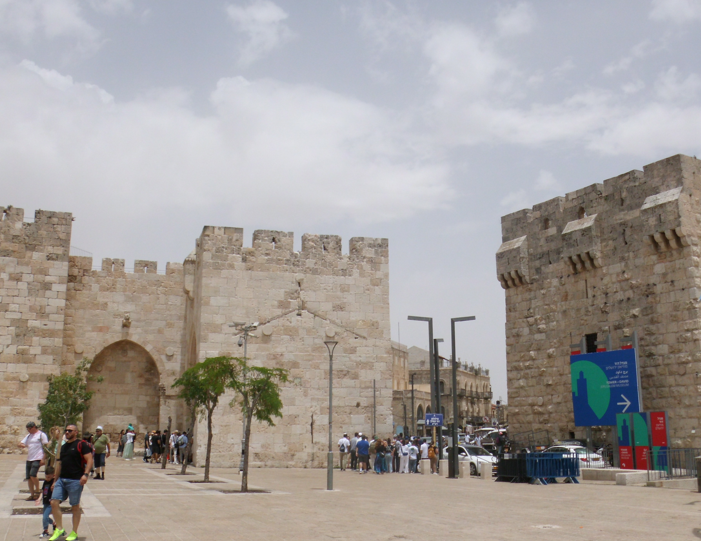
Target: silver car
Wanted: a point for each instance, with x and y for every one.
(475, 455)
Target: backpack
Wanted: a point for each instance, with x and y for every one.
(431, 452)
(82, 450)
(372, 447)
(181, 441)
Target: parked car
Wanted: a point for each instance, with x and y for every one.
(475, 455)
(587, 458)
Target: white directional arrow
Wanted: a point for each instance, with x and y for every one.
(626, 403)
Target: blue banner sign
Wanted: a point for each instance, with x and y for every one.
(434, 419)
(604, 384)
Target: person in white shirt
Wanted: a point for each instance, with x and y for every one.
(34, 442)
(344, 449)
(424, 453)
(404, 458)
(413, 456)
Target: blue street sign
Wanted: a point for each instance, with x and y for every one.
(434, 419)
(604, 384)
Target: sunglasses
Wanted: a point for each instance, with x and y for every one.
(70, 430)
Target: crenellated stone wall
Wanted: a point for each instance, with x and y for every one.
(615, 257)
(143, 328)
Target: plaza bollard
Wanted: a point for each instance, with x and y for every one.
(698, 473)
(485, 470)
(462, 473)
(443, 467)
(425, 466)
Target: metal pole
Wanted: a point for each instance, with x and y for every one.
(455, 458)
(437, 388)
(405, 427)
(429, 320)
(330, 345)
(243, 413)
(413, 410)
(374, 410)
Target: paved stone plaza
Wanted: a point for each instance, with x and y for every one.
(141, 502)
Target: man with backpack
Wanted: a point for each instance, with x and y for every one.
(343, 449)
(182, 446)
(72, 470)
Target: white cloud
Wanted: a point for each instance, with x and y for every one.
(463, 65)
(514, 201)
(546, 182)
(676, 11)
(669, 87)
(515, 20)
(633, 87)
(271, 153)
(112, 6)
(27, 20)
(263, 23)
(637, 52)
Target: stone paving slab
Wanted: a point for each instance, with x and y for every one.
(141, 502)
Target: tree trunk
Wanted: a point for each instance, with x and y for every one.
(209, 444)
(189, 442)
(166, 451)
(244, 476)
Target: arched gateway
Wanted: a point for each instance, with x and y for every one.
(129, 391)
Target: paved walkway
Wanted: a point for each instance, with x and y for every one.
(142, 502)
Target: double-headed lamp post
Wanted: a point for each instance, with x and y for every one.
(330, 345)
(454, 431)
(246, 329)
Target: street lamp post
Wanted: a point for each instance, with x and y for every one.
(413, 410)
(246, 329)
(454, 459)
(429, 320)
(437, 388)
(330, 345)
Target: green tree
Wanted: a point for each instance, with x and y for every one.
(201, 386)
(259, 391)
(67, 398)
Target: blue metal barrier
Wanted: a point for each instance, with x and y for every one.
(547, 467)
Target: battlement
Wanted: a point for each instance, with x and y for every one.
(280, 245)
(117, 266)
(49, 234)
(654, 207)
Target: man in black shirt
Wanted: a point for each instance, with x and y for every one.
(72, 469)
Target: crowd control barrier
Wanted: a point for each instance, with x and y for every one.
(543, 467)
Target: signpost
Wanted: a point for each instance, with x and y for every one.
(604, 384)
(435, 420)
(643, 440)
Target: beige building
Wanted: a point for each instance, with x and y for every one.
(611, 258)
(143, 328)
(474, 391)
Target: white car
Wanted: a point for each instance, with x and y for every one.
(587, 458)
(475, 455)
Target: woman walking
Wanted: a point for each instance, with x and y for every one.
(120, 444)
(129, 445)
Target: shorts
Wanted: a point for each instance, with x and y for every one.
(32, 468)
(99, 460)
(67, 489)
(364, 459)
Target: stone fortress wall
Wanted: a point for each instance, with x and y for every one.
(143, 329)
(616, 257)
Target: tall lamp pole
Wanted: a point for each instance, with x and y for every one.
(429, 320)
(246, 329)
(330, 345)
(454, 458)
(437, 389)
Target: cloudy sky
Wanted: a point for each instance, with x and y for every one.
(423, 122)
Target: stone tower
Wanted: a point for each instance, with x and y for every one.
(616, 257)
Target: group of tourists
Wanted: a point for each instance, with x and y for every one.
(79, 459)
(75, 462)
(391, 455)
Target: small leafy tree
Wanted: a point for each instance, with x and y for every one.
(67, 398)
(201, 386)
(259, 394)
